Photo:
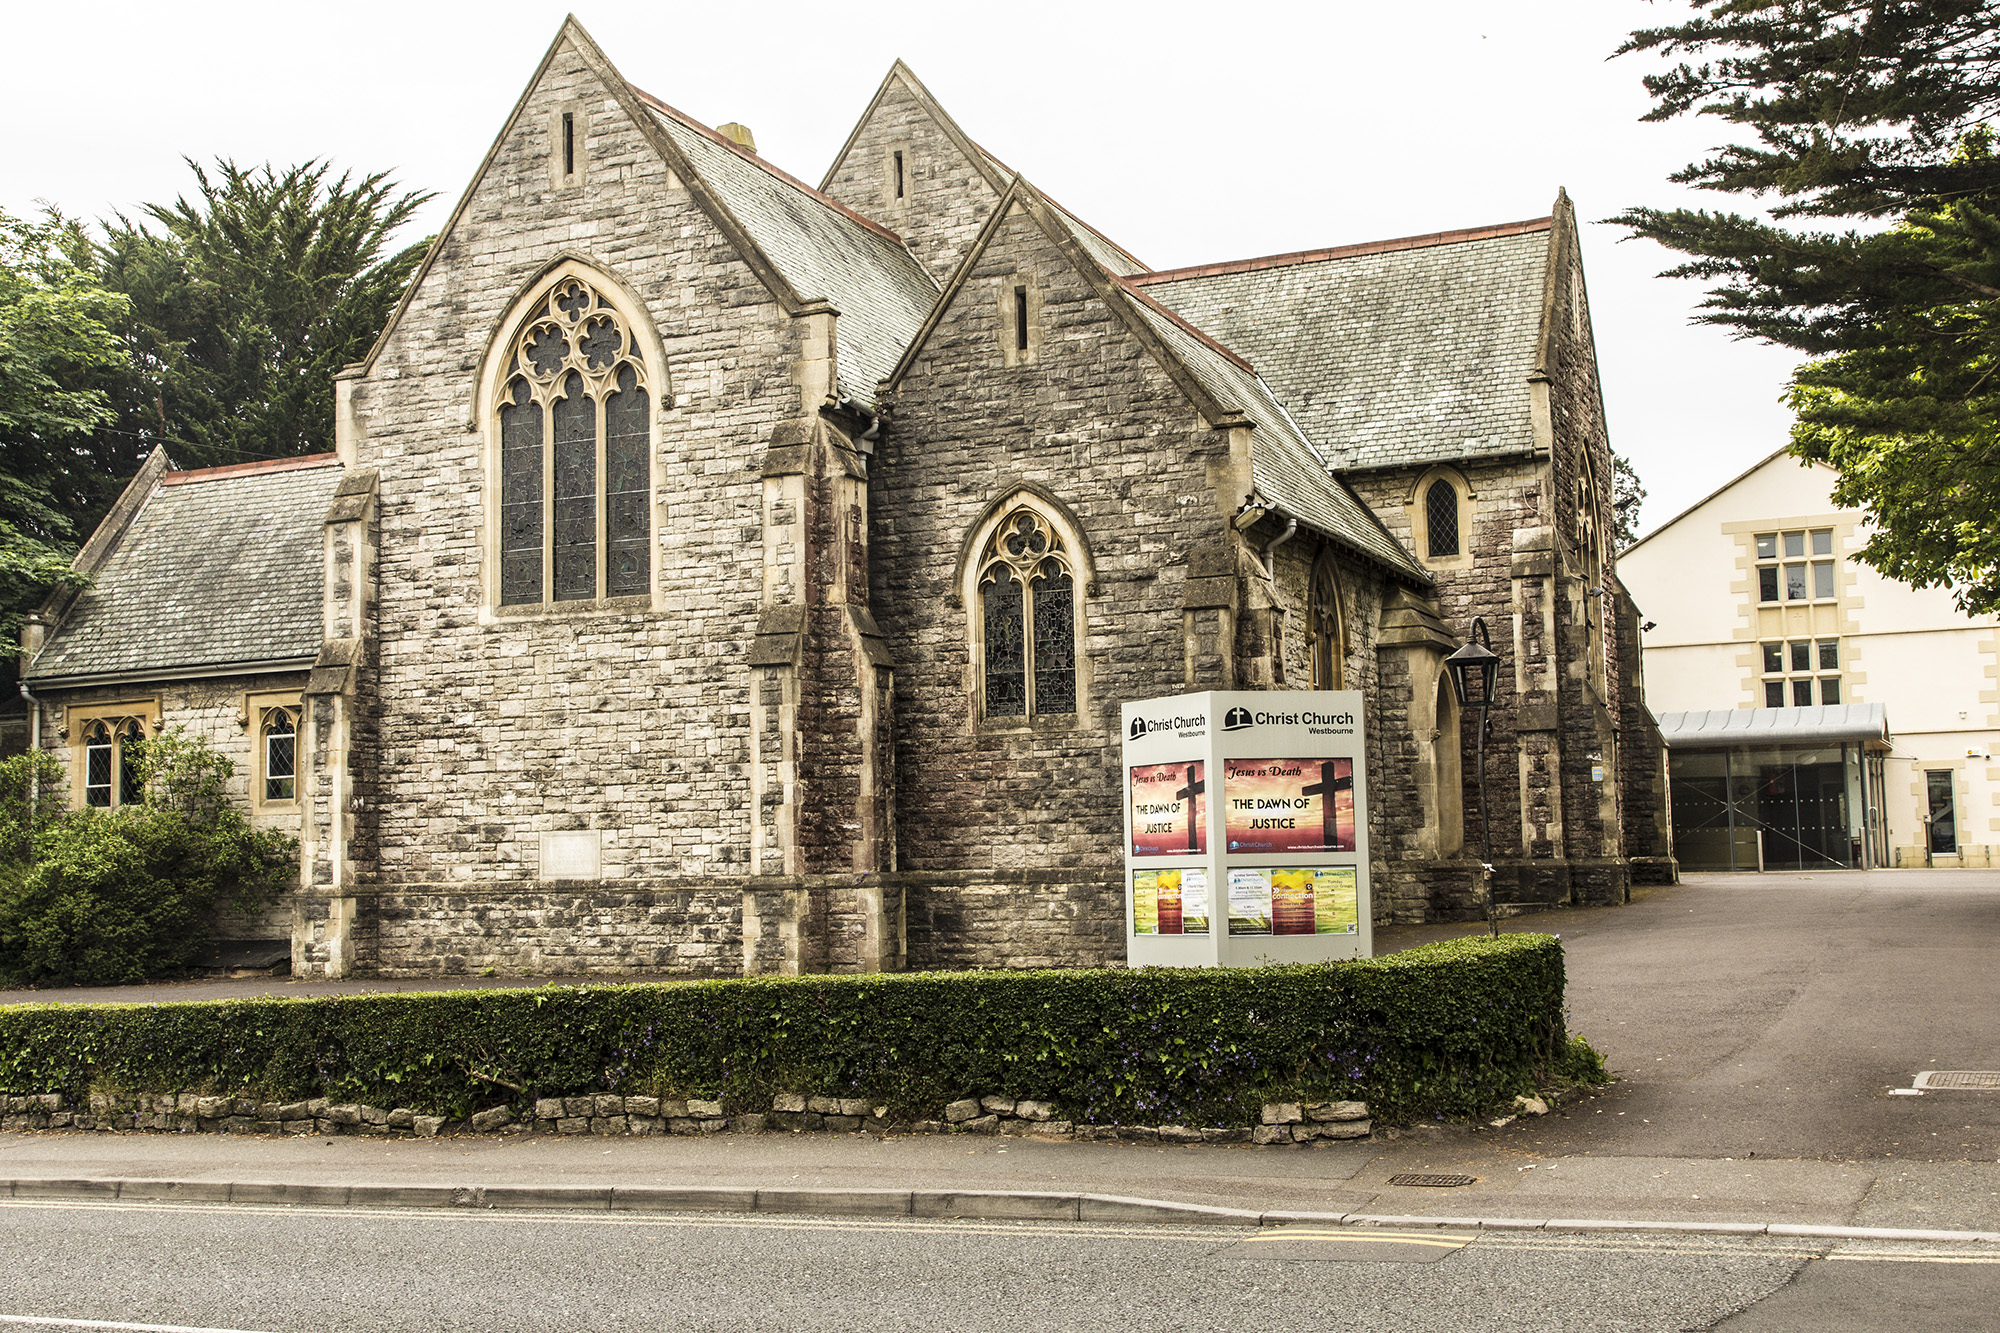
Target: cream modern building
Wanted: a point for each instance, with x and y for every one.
(1757, 604)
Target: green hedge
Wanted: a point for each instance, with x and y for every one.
(1447, 1029)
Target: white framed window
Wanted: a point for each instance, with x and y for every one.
(1796, 566)
(1798, 673)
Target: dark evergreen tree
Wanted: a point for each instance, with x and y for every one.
(1881, 113)
(244, 301)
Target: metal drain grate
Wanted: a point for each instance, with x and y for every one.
(1987, 1079)
(1434, 1182)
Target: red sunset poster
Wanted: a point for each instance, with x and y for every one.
(1289, 805)
(1169, 809)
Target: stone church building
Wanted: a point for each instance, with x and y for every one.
(719, 575)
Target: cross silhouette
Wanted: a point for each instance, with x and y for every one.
(1195, 787)
(1325, 788)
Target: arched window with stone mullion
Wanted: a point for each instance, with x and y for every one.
(575, 482)
(1027, 614)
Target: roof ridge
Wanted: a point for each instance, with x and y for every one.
(228, 470)
(1427, 240)
(779, 172)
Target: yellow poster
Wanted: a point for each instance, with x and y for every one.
(1292, 902)
(1145, 902)
(1334, 901)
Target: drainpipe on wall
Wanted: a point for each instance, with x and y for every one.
(1270, 550)
(34, 749)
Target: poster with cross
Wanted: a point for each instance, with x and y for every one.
(1169, 809)
(1289, 805)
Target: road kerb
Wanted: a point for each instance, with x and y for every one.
(993, 1205)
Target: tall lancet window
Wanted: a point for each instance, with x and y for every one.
(1027, 616)
(575, 511)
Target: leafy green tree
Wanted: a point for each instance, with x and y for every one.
(1881, 113)
(56, 334)
(245, 300)
(1626, 497)
(101, 897)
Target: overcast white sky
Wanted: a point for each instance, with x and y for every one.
(1189, 133)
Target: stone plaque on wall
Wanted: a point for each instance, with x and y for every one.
(570, 855)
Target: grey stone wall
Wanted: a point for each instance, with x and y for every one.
(1022, 918)
(481, 730)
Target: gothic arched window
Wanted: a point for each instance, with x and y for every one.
(1326, 628)
(1441, 518)
(1026, 591)
(1589, 521)
(280, 753)
(111, 775)
(575, 448)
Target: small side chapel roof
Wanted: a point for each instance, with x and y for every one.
(220, 568)
(822, 248)
(1391, 353)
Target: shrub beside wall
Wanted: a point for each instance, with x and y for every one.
(1447, 1029)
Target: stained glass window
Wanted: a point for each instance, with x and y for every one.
(626, 553)
(1055, 640)
(1441, 517)
(520, 497)
(575, 420)
(1028, 620)
(575, 456)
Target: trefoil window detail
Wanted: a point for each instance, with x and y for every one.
(575, 511)
(1027, 610)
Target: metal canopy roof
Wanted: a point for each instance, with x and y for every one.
(1712, 727)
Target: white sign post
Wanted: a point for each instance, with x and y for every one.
(1246, 829)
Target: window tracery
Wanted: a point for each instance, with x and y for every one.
(1027, 608)
(575, 515)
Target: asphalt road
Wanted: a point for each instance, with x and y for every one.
(1772, 1015)
(261, 1270)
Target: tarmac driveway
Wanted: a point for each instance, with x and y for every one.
(1773, 1016)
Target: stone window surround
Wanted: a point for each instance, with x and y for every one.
(486, 419)
(579, 114)
(78, 717)
(891, 201)
(257, 709)
(1083, 581)
(1419, 520)
(1749, 633)
(1011, 352)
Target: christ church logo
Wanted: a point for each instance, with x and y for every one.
(1237, 718)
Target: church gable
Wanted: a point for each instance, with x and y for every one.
(908, 166)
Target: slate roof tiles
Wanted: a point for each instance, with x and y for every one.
(219, 568)
(1389, 354)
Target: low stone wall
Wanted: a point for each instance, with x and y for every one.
(1416, 892)
(618, 1117)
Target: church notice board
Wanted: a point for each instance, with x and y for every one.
(1246, 829)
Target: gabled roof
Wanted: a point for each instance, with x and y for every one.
(1411, 351)
(1287, 471)
(219, 569)
(998, 174)
(821, 247)
(802, 245)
